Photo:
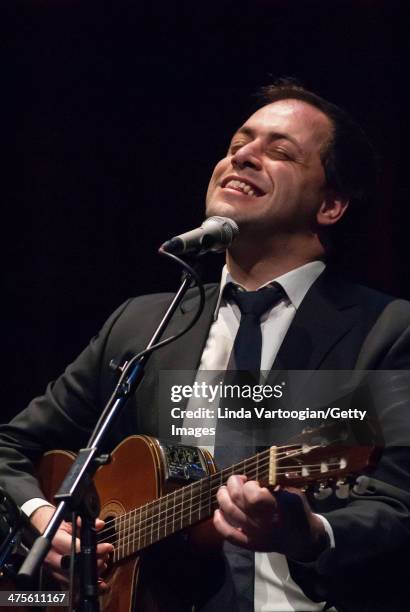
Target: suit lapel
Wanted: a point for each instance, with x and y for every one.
(325, 316)
(183, 354)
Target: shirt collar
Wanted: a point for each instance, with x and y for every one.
(296, 283)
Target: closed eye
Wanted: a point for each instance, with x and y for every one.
(236, 145)
(280, 153)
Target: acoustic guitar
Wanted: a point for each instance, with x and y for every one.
(143, 502)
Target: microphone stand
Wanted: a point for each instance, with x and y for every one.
(77, 492)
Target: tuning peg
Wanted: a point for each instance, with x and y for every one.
(323, 491)
(362, 485)
(342, 489)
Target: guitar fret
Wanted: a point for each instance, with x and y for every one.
(200, 500)
(145, 529)
(152, 525)
(173, 514)
(146, 524)
(137, 531)
(158, 518)
(166, 517)
(132, 520)
(124, 533)
(139, 528)
(209, 496)
(134, 537)
(121, 535)
(127, 533)
(190, 506)
(182, 509)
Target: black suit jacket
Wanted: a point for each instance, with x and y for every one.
(338, 326)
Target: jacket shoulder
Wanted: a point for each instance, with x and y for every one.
(159, 301)
(344, 293)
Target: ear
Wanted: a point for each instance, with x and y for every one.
(331, 209)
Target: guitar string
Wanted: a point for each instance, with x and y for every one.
(279, 456)
(126, 519)
(131, 516)
(132, 543)
(245, 463)
(149, 519)
(150, 524)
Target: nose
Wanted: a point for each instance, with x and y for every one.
(248, 156)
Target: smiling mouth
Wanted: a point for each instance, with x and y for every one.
(243, 187)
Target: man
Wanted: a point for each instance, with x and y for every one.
(289, 174)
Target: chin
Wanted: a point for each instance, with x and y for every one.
(221, 209)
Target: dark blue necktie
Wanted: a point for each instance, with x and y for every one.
(234, 437)
(247, 348)
(234, 441)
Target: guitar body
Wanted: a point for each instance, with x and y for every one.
(136, 474)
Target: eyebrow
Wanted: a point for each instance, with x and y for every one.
(272, 136)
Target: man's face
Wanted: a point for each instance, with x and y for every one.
(272, 177)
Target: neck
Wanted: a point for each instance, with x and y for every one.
(253, 265)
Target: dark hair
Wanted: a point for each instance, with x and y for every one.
(348, 157)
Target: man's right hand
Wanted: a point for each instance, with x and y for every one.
(61, 546)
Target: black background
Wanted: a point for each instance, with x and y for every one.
(118, 112)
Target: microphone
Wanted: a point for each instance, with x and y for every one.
(215, 234)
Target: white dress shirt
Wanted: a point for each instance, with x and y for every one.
(275, 591)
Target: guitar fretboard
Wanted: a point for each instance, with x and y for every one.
(160, 518)
(293, 464)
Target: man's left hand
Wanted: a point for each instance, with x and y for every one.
(253, 517)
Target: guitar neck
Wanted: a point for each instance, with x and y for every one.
(291, 465)
(183, 507)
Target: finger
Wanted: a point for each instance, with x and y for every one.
(233, 535)
(231, 512)
(234, 486)
(258, 502)
(103, 586)
(65, 562)
(236, 481)
(105, 548)
(62, 543)
(53, 560)
(248, 494)
(101, 566)
(99, 523)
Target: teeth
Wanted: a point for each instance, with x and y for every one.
(242, 186)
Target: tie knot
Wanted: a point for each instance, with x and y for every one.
(254, 302)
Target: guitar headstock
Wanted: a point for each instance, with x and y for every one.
(320, 455)
(299, 465)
